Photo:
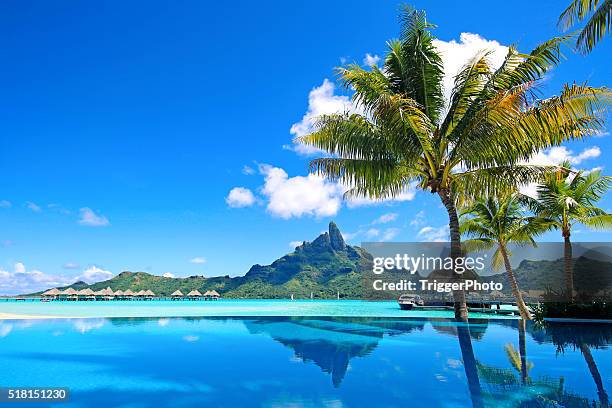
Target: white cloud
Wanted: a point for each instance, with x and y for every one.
(385, 218)
(198, 260)
(85, 325)
(301, 195)
(32, 206)
(71, 265)
(556, 155)
(191, 339)
(239, 197)
(94, 274)
(370, 60)
(321, 101)
(168, 275)
(21, 281)
(91, 219)
(432, 234)
(5, 204)
(372, 233)
(456, 54)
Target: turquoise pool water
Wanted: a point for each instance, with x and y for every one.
(224, 307)
(309, 362)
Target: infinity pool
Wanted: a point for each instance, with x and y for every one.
(309, 362)
(224, 307)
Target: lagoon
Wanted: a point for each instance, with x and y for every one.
(309, 361)
(224, 307)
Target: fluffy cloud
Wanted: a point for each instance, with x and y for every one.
(370, 60)
(389, 234)
(168, 275)
(91, 219)
(432, 234)
(21, 281)
(321, 101)
(32, 206)
(239, 197)
(94, 274)
(301, 195)
(5, 204)
(198, 260)
(385, 218)
(456, 54)
(556, 155)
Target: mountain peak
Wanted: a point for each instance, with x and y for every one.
(335, 237)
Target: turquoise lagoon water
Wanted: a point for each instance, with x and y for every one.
(224, 307)
(309, 361)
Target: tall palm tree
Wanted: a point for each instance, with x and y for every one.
(598, 24)
(407, 133)
(566, 198)
(492, 223)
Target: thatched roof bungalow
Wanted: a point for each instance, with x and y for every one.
(177, 294)
(194, 294)
(51, 293)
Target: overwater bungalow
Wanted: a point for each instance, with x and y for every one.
(51, 294)
(119, 295)
(128, 294)
(86, 294)
(211, 295)
(177, 295)
(194, 295)
(68, 294)
(149, 294)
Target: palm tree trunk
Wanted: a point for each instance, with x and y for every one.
(523, 310)
(588, 357)
(469, 364)
(568, 267)
(461, 312)
(523, 350)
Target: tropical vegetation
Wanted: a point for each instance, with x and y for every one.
(494, 223)
(599, 14)
(565, 198)
(405, 133)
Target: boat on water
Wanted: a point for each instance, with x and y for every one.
(407, 302)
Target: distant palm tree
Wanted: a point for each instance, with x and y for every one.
(408, 135)
(566, 198)
(495, 223)
(598, 25)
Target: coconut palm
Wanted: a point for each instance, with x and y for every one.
(496, 223)
(598, 24)
(405, 134)
(566, 198)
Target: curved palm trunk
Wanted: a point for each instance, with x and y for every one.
(523, 350)
(588, 357)
(469, 364)
(523, 310)
(461, 312)
(568, 267)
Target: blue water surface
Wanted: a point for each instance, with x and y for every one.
(309, 362)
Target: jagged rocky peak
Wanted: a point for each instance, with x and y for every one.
(335, 237)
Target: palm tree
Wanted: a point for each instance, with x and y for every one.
(568, 197)
(599, 23)
(496, 223)
(407, 134)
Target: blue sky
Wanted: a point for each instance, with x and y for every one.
(125, 125)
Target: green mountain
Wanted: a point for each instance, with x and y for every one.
(323, 267)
